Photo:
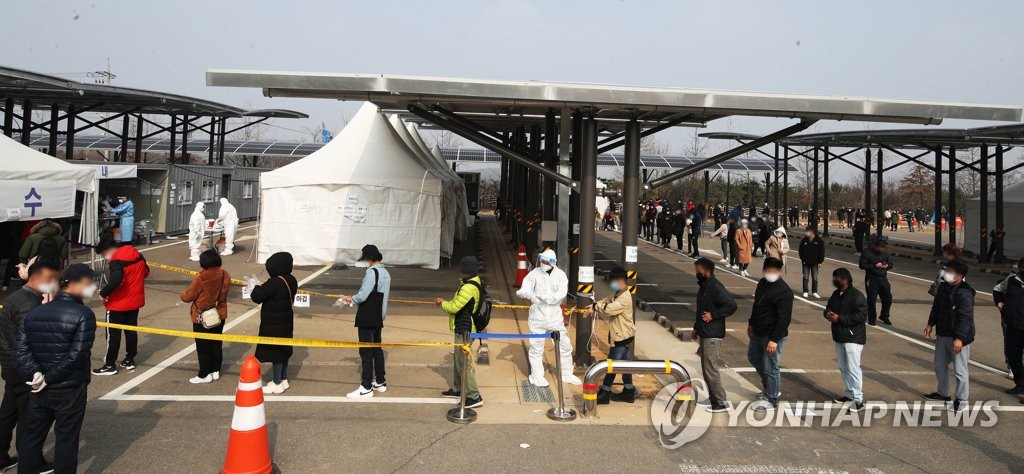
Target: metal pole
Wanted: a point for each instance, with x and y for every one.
(69, 144)
(824, 165)
(878, 211)
(125, 127)
(1000, 233)
(707, 184)
(560, 413)
(533, 187)
(210, 150)
(220, 145)
(54, 115)
(785, 185)
(171, 146)
(574, 200)
(9, 117)
(184, 139)
(551, 162)
(603, 367)
(983, 208)
(630, 198)
(775, 200)
(585, 275)
(867, 188)
(461, 414)
(26, 122)
(938, 201)
(951, 222)
(564, 169)
(138, 138)
(814, 203)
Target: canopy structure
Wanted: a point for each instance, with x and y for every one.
(365, 186)
(1012, 204)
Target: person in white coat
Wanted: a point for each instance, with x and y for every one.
(196, 229)
(228, 217)
(546, 286)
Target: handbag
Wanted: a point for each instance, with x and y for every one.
(210, 318)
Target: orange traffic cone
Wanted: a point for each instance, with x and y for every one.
(248, 445)
(521, 269)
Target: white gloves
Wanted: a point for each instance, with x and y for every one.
(38, 383)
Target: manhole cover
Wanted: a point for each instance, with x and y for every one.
(535, 394)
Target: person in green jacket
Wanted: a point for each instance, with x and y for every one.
(45, 242)
(460, 311)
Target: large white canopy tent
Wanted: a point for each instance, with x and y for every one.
(463, 219)
(1013, 205)
(365, 186)
(35, 186)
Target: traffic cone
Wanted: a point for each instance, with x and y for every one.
(521, 269)
(248, 445)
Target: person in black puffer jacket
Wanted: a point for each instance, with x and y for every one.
(52, 351)
(277, 319)
(812, 255)
(847, 310)
(714, 304)
(768, 328)
(1009, 298)
(952, 319)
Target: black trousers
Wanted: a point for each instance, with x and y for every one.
(1013, 346)
(12, 409)
(858, 242)
(131, 338)
(210, 353)
(878, 287)
(679, 241)
(372, 357)
(732, 252)
(691, 245)
(63, 410)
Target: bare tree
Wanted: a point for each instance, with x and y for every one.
(446, 139)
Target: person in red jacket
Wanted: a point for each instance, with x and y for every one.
(123, 295)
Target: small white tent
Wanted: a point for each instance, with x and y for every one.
(1013, 207)
(35, 185)
(364, 186)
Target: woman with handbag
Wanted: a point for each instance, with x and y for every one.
(208, 294)
(276, 317)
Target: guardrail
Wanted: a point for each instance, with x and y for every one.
(610, 366)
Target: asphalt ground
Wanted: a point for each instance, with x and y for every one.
(153, 420)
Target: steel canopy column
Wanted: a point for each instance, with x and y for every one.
(533, 211)
(951, 221)
(824, 232)
(785, 186)
(221, 137)
(938, 202)
(138, 138)
(983, 208)
(26, 122)
(210, 150)
(551, 162)
(184, 140)
(815, 204)
(54, 116)
(171, 147)
(69, 143)
(585, 284)
(775, 199)
(707, 183)
(878, 210)
(1000, 232)
(630, 196)
(574, 200)
(9, 117)
(125, 126)
(867, 187)
(564, 169)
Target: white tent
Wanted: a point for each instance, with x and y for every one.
(364, 186)
(35, 185)
(463, 219)
(1013, 205)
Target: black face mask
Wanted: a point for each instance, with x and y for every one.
(837, 283)
(701, 278)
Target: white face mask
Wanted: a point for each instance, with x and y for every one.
(948, 277)
(771, 277)
(47, 288)
(89, 291)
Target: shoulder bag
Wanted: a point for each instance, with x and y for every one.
(210, 318)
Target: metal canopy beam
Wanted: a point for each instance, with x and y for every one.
(752, 145)
(489, 144)
(650, 131)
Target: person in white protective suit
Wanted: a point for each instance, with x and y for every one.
(196, 230)
(546, 286)
(228, 217)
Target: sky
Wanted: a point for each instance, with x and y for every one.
(937, 50)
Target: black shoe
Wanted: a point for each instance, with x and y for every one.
(841, 400)
(958, 405)
(871, 323)
(451, 393)
(474, 402)
(936, 397)
(718, 407)
(105, 370)
(627, 395)
(886, 321)
(603, 396)
(1015, 390)
(127, 364)
(12, 462)
(856, 407)
(47, 468)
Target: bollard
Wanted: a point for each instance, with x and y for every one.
(559, 413)
(599, 369)
(461, 414)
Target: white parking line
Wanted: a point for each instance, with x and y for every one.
(284, 398)
(744, 370)
(141, 378)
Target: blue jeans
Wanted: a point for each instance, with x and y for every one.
(848, 359)
(767, 366)
(618, 353)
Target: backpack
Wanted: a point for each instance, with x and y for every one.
(49, 250)
(482, 316)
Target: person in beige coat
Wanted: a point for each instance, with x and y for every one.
(744, 246)
(617, 309)
(778, 244)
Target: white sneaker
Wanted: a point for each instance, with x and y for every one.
(724, 261)
(805, 294)
(360, 392)
(283, 386)
(272, 388)
(197, 379)
(539, 381)
(817, 296)
(572, 379)
(735, 267)
(216, 375)
(380, 387)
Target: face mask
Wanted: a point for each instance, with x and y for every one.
(46, 288)
(948, 277)
(615, 286)
(771, 277)
(701, 278)
(837, 284)
(89, 291)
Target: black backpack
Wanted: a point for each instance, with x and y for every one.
(49, 250)
(482, 316)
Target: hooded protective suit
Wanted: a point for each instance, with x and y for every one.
(228, 217)
(126, 210)
(546, 286)
(196, 229)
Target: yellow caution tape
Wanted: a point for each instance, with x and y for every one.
(277, 341)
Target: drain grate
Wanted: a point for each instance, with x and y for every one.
(534, 394)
